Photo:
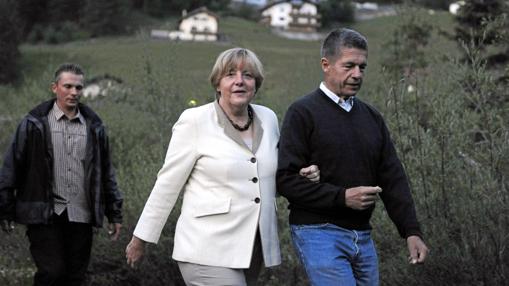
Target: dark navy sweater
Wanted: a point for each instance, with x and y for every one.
(351, 149)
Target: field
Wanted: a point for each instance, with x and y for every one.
(161, 77)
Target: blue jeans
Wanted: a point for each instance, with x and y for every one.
(333, 255)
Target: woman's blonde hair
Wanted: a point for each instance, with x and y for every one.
(230, 60)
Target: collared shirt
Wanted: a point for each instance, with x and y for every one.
(345, 104)
(69, 139)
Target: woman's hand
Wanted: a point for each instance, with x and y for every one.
(312, 173)
(134, 251)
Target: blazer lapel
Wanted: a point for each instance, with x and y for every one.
(258, 132)
(234, 134)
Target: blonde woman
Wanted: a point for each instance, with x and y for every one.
(223, 157)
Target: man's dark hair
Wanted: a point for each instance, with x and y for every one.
(342, 38)
(68, 67)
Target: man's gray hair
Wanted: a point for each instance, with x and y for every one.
(68, 67)
(342, 38)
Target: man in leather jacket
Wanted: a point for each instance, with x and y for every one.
(58, 180)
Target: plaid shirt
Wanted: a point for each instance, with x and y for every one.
(69, 139)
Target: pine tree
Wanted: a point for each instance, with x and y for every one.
(405, 48)
(471, 21)
(483, 30)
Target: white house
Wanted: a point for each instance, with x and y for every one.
(292, 15)
(197, 25)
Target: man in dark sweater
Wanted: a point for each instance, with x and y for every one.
(350, 142)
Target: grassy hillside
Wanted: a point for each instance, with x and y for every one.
(284, 59)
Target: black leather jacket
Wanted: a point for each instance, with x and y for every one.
(26, 177)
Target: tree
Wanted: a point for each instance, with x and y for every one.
(474, 23)
(214, 5)
(153, 7)
(9, 41)
(31, 12)
(137, 4)
(105, 17)
(161, 8)
(405, 48)
(64, 10)
(436, 4)
(334, 11)
(483, 26)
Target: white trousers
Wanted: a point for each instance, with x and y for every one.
(205, 275)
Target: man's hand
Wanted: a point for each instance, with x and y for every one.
(114, 230)
(360, 198)
(311, 173)
(7, 225)
(418, 250)
(134, 251)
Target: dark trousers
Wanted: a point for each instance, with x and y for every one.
(61, 251)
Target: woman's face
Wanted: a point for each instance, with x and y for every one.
(237, 87)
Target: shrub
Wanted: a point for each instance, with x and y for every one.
(453, 143)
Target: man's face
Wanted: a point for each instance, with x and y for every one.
(68, 90)
(344, 75)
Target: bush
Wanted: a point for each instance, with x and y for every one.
(452, 139)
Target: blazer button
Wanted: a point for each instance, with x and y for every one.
(253, 160)
(257, 200)
(255, 180)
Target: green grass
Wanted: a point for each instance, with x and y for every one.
(292, 67)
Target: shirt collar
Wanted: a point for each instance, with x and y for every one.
(338, 100)
(59, 114)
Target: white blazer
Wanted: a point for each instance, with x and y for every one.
(228, 190)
